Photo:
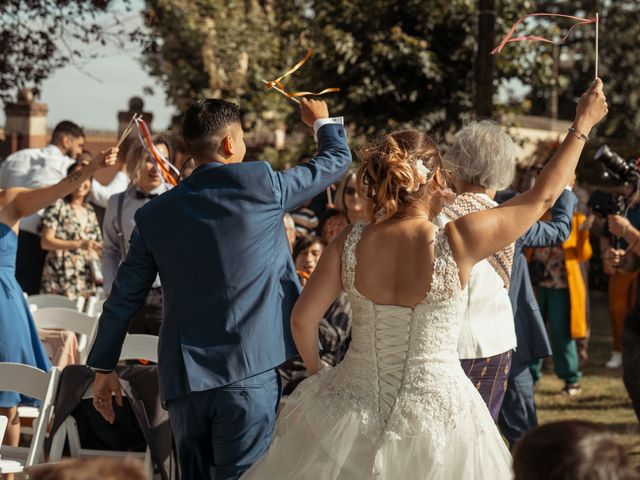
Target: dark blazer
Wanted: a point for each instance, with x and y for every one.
(140, 384)
(228, 280)
(531, 334)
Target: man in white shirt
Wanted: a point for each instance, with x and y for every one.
(41, 167)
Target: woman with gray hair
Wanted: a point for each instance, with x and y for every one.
(482, 160)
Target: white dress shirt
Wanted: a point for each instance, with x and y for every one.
(115, 247)
(488, 328)
(43, 167)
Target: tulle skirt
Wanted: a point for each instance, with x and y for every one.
(320, 435)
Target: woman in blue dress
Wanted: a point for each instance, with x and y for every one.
(19, 341)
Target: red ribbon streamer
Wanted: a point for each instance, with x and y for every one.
(163, 165)
(509, 39)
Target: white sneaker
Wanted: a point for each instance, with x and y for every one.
(615, 361)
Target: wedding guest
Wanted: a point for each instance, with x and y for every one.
(71, 236)
(187, 168)
(518, 413)
(482, 160)
(334, 328)
(622, 285)
(306, 220)
(146, 184)
(629, 261)
(571, 449)
(35, 168)
(306, 253)
(290, 228)
(563, 303)
(350, 208)
(43, 167)
(19, 340)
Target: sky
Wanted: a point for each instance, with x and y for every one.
(92, 95)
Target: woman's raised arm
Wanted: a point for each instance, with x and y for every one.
(476, 236)
(22, 202)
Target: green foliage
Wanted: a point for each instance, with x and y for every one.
(39, 36)
(397, 63)
(619, 68)
(214, 48)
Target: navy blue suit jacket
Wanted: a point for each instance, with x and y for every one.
(531, 334)
(228, 281)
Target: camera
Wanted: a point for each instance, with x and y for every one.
(605, 204)
(615, 167)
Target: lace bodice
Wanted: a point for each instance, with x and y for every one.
(404, 360)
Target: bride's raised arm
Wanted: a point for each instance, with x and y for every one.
(476, 236)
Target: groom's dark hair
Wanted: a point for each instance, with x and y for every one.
(204, 123)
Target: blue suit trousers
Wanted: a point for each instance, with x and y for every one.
(220, 433)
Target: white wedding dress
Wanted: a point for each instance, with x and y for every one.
(399, 406)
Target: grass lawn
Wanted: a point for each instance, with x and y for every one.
(603, 398)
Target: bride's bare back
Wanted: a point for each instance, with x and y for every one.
(395, 261)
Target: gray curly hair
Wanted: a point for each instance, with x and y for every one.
(484, 155)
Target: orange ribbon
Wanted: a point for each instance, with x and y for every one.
(509, 38)
(165, 168)
(277, 85)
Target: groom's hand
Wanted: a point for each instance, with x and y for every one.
(312, 110)
(104, 386)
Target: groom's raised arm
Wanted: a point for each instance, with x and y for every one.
(299, 184)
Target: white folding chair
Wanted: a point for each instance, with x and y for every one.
(139, 346)
(47, 300)
(7, 466)
(134, 347)
(83, 325)
(35, 383)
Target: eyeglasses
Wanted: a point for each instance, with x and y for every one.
(350, 191)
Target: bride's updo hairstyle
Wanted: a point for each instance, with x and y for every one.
(389, 174)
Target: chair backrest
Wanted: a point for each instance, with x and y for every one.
(34, 383)
(47, 300)
(3, 427)
(66, 319)
(138, 346)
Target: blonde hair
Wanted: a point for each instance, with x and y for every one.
(387, 175)
(342, 186)
(134, 160)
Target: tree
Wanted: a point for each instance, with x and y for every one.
(619, 68)
(397, 63)
(220, 48)
(38, 36)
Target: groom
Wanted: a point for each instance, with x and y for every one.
(229, 284)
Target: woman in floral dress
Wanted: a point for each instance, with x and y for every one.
(71, 233)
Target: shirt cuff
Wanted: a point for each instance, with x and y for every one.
(321, 122)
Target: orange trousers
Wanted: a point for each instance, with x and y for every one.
(622, 296)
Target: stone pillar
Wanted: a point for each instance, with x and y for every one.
(136, 105)
(26, 123)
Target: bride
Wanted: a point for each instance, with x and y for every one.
(399, 406)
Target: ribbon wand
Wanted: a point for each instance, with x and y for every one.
(278, 87)
(597, 24)
(282, 92)
(127, 130)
